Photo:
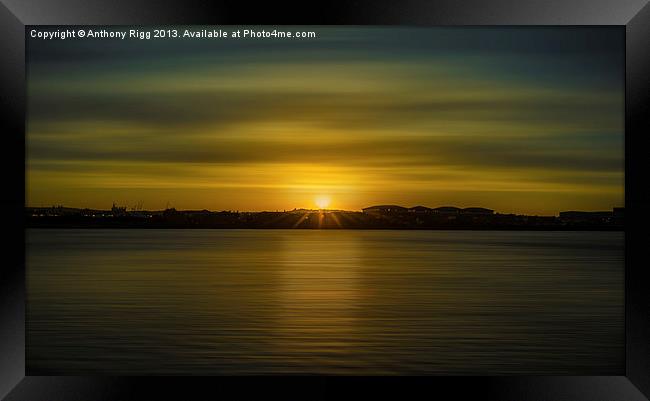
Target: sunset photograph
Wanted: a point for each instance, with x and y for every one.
(329, 200)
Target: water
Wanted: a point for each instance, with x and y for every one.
(210, 302)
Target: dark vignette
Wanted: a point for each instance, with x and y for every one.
(637, 200)
(12, 201)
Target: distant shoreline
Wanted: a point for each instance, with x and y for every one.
(377, 218)
(583, 229)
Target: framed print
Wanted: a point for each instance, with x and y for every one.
(364, 198)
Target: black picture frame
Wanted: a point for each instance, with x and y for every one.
(633, 15)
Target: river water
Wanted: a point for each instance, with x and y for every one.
(206, 302)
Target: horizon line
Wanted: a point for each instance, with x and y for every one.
(126, 208)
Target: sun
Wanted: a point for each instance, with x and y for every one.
(322, 201)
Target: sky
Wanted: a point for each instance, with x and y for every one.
(520, 120)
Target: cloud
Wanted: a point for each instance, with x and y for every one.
(410, 109)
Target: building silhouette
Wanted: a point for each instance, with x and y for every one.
(385, 209)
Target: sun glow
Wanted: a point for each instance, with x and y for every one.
(322, 201)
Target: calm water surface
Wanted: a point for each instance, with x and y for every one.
(324, 302)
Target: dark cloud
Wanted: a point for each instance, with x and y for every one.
(221, 109)
(521, 154)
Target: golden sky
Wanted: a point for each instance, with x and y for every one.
(523, 120)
